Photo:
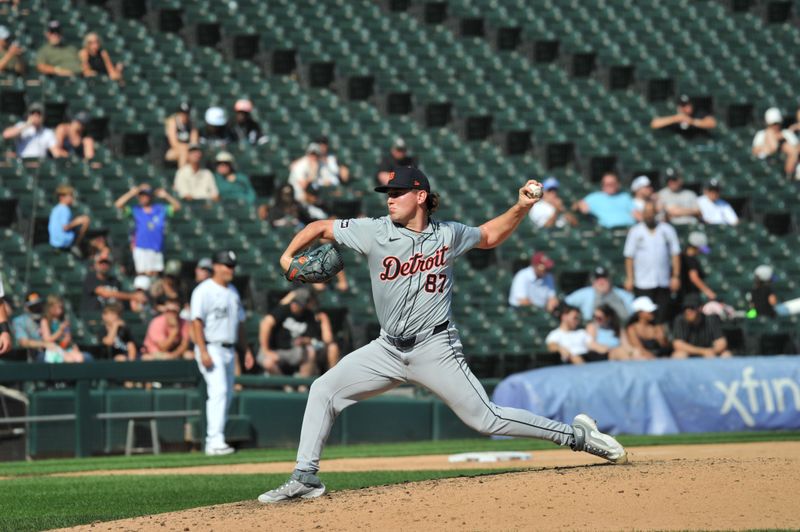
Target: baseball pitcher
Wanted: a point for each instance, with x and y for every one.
(411, 257)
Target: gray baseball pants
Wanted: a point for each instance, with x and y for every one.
(438, 364)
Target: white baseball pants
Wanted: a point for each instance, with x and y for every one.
(219, 386)
(436, 363)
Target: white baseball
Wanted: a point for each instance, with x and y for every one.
(535, 191)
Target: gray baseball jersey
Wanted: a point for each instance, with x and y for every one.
(411, 272)
(412, 283)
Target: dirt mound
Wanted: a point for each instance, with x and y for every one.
(738, 486)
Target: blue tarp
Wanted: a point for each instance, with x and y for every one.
(665, 396)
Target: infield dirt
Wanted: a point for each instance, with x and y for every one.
(696, 487)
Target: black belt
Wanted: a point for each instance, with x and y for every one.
(222, 344)
(410, 341)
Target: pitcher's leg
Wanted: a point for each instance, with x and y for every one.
(364, 373)
(440, 367)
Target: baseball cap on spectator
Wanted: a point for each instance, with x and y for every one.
(82, 117)
(301, 296)
(314, 148)
(35, 108)
(406, 177)
(54, 26)
(142, 282)
(672, 174)
(399, 144)
(550, 183)
(773, 116)
(599, 272)
(226, 257)
(216, 116)
(640, 182)
(205, 264)
(184, 107)
(692, 301)
(699, 241)
(763, 273)
(224, 157)
(32, 299)
(195, 146)
(540, 259)
(322, 139)
(684, 99)
(644, 304)
(146, 190)
(243, 106)
(713, 184)
(4, 33)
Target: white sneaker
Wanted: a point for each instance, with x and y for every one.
(294, 489)
(588, 438)
(220, 451)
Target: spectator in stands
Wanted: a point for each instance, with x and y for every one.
(149, 222)
(653, 261)
(232, 185)
(762, 297)
(167, 335)
(192, 181)
(678, 204)
(611, 206)
(397, 157)
(181, 134)
(244, 126)
(56, 58)
(286, 211)
(34, 140)
(65, 231)
(55, 329)
(116, 336)
(101, 287)
(687, 121)
(773, 139)
(203, 270)
(572, 342)
(295, 337)
(550, 210)
(95, 60)
(142, 285)
(601, 293)
(216, 135)
(11, 54)
(304, 171)
(692, 274)
(713, 209)
(696, 334)
(642, 189)
(534, 285)
(647, 339)
(72, 139)
(331, 172)
(604, 329)
(27, 332)
(97, 244)
(5, 328)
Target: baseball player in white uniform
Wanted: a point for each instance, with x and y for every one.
(217, 325)
(410, 259)
(5, 330)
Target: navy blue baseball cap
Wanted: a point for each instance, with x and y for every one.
(406, 177)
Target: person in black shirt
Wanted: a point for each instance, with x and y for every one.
(398, 156)
(116, 336)
(244, 127)
(696, 334)
(294, 336)
(762, 297)
(100, 287)
(692, 274)
(687, 121)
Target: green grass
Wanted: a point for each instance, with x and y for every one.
(40, 503)
(46, 467)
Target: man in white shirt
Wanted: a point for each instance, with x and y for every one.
(192, 181)
(574, 344)
(550, 210)
(678, 204)
(713, 209)
(534, 285)
(33, 139)
(653, 261)
(774, 138)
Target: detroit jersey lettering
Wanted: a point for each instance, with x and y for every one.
(411, 272)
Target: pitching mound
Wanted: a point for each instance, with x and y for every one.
(735, 486)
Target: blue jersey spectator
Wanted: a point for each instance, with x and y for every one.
(149, 219)
(64, 230)
(534, 285)
(611, 207)
(600, 293)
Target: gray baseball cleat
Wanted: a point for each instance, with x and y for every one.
(589, 439)
(299, 486)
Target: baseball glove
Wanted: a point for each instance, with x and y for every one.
(316, 266)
